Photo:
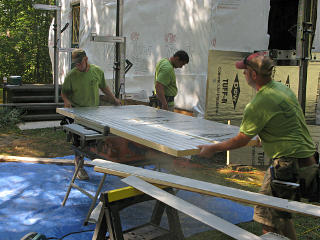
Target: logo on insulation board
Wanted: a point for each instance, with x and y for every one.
(235, 91)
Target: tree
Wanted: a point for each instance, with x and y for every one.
(24, 40)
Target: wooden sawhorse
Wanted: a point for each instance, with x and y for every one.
(116, 200)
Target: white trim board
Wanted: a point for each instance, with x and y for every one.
(4, 158)
(37, 125)
(190, 209)
(207, 188)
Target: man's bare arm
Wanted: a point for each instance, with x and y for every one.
(67, 103)
(238, 141)
(110, 97)
(161, 96)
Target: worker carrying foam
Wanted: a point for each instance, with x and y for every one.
(276, 116)
(81, 89)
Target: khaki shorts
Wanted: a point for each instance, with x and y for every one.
(285, 169)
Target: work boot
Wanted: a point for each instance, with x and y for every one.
(82, 174)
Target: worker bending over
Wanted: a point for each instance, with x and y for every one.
(81, 89)
(165, 79)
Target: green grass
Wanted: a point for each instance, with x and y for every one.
(307, 228)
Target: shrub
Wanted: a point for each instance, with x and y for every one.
(9, 117)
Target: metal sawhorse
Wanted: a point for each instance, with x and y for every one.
(82, 139)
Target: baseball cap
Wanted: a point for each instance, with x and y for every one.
(259, 62)
(78, 55)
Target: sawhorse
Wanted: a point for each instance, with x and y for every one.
(116, 200)
(82, 139)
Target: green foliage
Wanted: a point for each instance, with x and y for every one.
(9, 117)
(24, 40)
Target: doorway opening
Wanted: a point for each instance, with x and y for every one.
(282, 25)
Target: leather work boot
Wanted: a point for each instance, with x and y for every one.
(82, 174)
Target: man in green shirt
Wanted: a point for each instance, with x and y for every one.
(81, 89)
(165, 79)
(81, 85)
(276, 116)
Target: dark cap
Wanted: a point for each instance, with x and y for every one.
(78, 55)
(259, 62)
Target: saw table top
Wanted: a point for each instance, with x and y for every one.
(172, 133)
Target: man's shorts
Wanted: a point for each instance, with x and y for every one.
(285, 169)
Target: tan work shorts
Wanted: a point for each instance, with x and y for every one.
(285, 169)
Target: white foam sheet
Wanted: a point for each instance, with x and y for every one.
(156, 29)
(38, 125)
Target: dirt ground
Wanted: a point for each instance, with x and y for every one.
(46, 143)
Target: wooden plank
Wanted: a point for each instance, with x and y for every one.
(190, 209)
(31, 104)
(31, 87)
(39, 117)
(33, 99)
(207, 188)
(4, 158)
(168, 132)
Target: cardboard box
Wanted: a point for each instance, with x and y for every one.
(228, 92)
(255, 156)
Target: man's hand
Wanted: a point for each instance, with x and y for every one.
(110, 97)
(117, 102)
(233, 143)
(161, 96)
(67, 103)
(164, 106)
(259, 143)
(206, 150)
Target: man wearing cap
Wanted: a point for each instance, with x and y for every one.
(165, 79)
(81, 85)
(81, 89)
(275, 115)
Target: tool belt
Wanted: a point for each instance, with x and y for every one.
(312, 193)
(305, 162)
(169, 99)
(155, 102)
(282, 183)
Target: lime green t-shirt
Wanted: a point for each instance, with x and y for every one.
(166, 76)
(276, 116)
(82, 88)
